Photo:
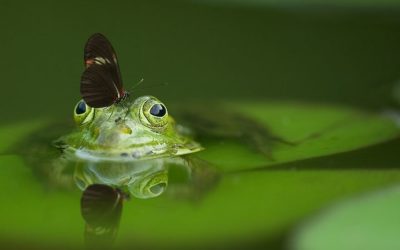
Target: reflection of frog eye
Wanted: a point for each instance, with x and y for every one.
(149, 185)
(155, 113)
(83, 113)
(158, 189)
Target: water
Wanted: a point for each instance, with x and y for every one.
(321, 76)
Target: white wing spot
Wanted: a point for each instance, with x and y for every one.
(101, 60)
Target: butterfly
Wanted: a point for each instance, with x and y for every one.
(101, 82)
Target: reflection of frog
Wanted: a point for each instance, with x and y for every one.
(143, 179)
(149, 178)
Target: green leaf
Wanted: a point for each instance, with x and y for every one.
(319, 130)
(370, 221)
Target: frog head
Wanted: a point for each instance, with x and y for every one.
(135, 130)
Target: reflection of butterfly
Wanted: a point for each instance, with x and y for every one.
(101, 83)
(101, 208)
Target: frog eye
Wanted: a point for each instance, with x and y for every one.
(80, 108)
(158, 110)
(155, 113)
(83, 113)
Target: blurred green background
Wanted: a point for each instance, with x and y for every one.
(344, 51)
(332, 52)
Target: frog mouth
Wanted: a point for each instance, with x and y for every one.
(132, 152)
(143, 152)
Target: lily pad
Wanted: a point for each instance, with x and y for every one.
(368, 222)
(316, 130)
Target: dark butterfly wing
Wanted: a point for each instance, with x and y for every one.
(98, 88)
(100, 51)
(101, 208)
(101, 205)
(100, 58)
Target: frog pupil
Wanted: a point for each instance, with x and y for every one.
(81, 108)
(158, 110)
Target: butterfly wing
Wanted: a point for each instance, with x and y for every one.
(101, 205)
(97, 86)
(101, 83)
(101, 208)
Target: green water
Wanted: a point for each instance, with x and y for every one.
(306, 72)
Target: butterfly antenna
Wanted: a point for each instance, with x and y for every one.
(156, 85)
(128, 98)
(137, 84)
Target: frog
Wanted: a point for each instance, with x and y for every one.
(135, 146)
(122, 152)
(141, 130)
(130, 147)
(128, 141)
(122, 131)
